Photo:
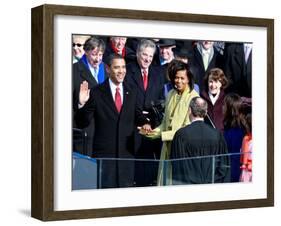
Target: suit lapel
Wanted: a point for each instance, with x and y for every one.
(126, 99)
(198, 57)
(150, 79)
(137, 77)
(213, 62)
(240, 56)
(107, 96)
(86, 74)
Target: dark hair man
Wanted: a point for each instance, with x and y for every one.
(111, 105)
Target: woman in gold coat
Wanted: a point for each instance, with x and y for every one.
(176, 115)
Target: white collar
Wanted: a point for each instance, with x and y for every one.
(113, 86)
(144, 70)
(204, 51)
(197, 119)
(249, 45)
(214, 98)
(94, 71)
(113, 89)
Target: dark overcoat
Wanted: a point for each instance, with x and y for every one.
(238, 70)
(114, 133)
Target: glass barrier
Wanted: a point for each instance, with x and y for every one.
(98, 173)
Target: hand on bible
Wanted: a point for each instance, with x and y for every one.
(146, 130)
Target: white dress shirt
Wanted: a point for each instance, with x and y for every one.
(94, 71)
(113, 89)
(214, 98)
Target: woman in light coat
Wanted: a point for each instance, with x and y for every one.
(176, 115)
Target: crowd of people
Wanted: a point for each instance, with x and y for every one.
(157, 110)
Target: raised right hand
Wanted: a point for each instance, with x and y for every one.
(84, 93)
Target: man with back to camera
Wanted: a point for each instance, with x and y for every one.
(192, 143)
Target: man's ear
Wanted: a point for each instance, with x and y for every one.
(190, 116)
(189, 111)
(107, 68)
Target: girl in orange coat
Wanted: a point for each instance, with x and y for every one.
(246, 152)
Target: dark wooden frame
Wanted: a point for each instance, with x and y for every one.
(42, 203)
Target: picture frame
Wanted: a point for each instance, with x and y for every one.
(43, 111)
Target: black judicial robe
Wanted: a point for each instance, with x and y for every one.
(199, 142)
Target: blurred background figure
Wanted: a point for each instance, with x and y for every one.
(205, 57)
(219, 45)
(183, 54)
(166, 55)
(238, 67)
(246, 150)
(78, 42)
(117, 45)
(233, 131)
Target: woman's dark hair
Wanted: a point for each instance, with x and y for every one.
(216, 74)
(247, 123)
(176, 65)
(232, 107)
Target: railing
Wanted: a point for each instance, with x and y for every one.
(97, 173)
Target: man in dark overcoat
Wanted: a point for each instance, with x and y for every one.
(238, 68)
(89, 68)
(112, 105)
(148, 82)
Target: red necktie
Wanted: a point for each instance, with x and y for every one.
(118, 101)
(145, 80)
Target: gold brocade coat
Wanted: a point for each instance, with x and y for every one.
(176, 117)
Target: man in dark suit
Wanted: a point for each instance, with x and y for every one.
(89, 68)
(205, 57)
(149, 84)
(112, 105)
(238, 67)
(194, 146)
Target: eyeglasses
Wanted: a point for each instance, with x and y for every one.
(77, 44)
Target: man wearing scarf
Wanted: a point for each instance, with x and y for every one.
(89, 68)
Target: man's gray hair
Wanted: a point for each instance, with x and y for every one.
(145, 43)
(198, 107)
(93, 43)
